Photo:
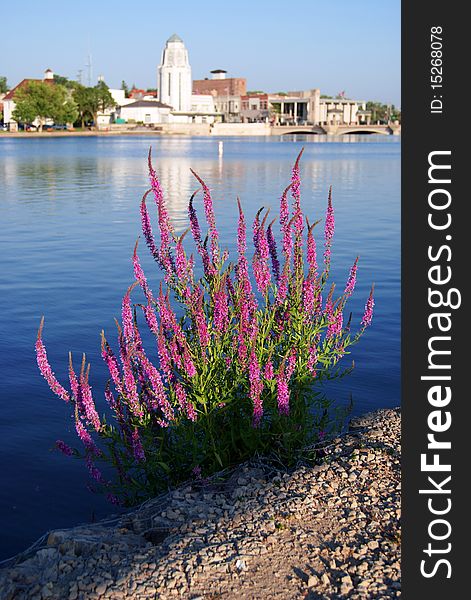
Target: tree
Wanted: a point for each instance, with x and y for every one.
(42, 101)
(61, 80)
(383, 112)
(81, 96)
(125, 89)
(3, 85)
(92, 100)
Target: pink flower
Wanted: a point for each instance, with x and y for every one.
(309, 297)
(175, 352)
(209, 212)
(275, 263)
(330, 316)
(74, 384)
(312, 361)
(183, 266)
(180, 261)
(86, 398)
(167, 316)
(297, 213)
(241, 232)
(158, 395)
(311, 251)
(166, 229)
(164, 355)
(291, 363)
(282, 393)
(368, 314)
(268, 371)
(128, 321)
(139, 274)
(200, 318)
(329, 229)
(147, 228)
(151, 318)
(93, 470)
(256, 387)
(84, 435)
(188, 363)
(284, 210)
(195, 226)
(64, 448)
(186, 406)
(113, 404)
(45, 367)
(282, 291)
(221, 308)
(111, 363)
(130, 385)
(261, 257)
(136, 444)
(351, 279)
(334, 318)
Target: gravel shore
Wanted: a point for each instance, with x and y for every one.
(317, 532)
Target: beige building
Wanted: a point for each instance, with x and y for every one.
(309, 108)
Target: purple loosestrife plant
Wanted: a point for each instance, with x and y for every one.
(239, 358)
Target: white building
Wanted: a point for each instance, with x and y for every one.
(175, 86)
(175, 83)
(147, 112)
(9, 100)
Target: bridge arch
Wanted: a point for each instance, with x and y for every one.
(306, 132)
(363, 131)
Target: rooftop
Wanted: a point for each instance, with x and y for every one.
(146, 104)
(174, 38)
(11, 94)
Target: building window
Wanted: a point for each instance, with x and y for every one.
(169, 83)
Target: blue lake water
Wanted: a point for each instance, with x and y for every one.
(69, 221)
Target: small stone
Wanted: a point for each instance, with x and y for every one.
(240, 565)
(313, 581)
(101, 588)
(373, 545)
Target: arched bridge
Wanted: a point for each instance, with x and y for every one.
(391, 129)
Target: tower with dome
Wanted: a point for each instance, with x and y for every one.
(175, 83)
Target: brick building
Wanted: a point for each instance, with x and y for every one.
(220, 85)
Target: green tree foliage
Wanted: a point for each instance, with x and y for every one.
(91, 101)
(3, 85)
(42, 101)
(81, 96)
(383, 112)
(125, 88)
(61, 80)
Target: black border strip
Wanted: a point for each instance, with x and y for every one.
(424, 246)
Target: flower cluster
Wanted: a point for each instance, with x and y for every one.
(237, 353)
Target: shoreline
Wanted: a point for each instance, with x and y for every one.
(185, 131)
(70, 134)
(325, 531)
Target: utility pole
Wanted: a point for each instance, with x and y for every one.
(90, 69)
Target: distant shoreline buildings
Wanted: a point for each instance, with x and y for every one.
(220, 99)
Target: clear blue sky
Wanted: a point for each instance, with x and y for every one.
(351, 45)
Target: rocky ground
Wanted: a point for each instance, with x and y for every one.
(318, 532)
